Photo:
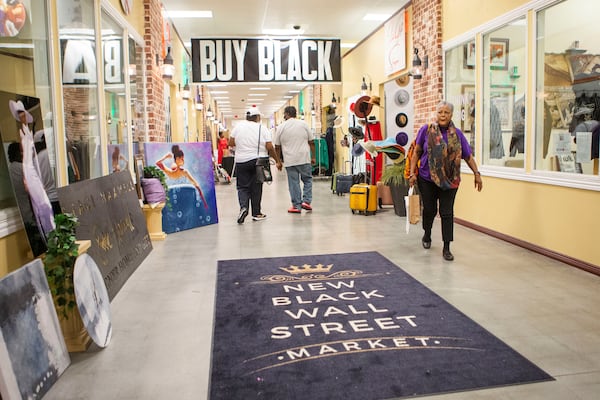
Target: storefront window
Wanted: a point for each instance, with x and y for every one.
(115, 102)
(568, 88)
(136, 81)
(25, 88)
(80, 88)
(504, 127)
(460, 87)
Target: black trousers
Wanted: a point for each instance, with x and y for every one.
(432, 196)
(249, 191)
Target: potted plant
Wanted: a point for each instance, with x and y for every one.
(393, 176)
(59, 263)
(154, 178)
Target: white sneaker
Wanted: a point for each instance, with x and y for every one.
(259, 217)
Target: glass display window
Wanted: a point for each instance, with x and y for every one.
(567, 88)
(460, 87)
(504, 135)
(77, 35)
(25, 89)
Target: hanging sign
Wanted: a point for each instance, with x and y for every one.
(266, 60)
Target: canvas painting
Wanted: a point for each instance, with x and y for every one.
(33, 353)
(190, 177)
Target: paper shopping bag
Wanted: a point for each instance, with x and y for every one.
(413, 206)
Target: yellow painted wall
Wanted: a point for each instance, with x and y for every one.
(563, 220)
(15, 252)
(135, 17)
(460, 16)
(559, 219)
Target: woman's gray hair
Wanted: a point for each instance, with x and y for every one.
(445, 103)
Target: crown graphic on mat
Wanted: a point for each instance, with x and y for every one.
(307, 268)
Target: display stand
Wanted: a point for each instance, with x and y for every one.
(153, 214)
(76, 336)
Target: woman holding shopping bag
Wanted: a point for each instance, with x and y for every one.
(439, 149)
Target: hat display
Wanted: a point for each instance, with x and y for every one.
(16, 107)
(402, 138)
(253, 111)
(356, 133)
(402, 97)
(338, 121)
(403, 80)
(401, 120)
(362, 107)
(375, 100)
(357, 150)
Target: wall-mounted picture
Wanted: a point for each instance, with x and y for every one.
(499, 54)
(467, 108)
(503, 98)
(469, 55)
(117, 153)
(139, 174)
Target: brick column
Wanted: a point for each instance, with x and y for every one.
(427, 38)
(153, 28)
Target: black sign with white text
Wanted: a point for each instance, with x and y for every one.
(266, 60)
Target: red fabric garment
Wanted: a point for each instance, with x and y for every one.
(222, 145)
(374, 133)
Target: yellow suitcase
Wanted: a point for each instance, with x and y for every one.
(363, 198)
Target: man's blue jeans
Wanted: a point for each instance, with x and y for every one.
(295, 174)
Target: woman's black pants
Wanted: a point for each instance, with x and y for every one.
(432, 196)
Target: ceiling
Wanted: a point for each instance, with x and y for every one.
(341, 20)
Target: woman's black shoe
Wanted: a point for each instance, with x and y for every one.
(426, 244)
(447, 255)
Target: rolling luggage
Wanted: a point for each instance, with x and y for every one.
(363, 199)
(341, 183)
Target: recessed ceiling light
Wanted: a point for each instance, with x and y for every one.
(190, 14)
(260, 88)
(257, 94)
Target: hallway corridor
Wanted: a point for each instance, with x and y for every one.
(163, 317)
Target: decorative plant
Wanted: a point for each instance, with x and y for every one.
(152, 171)
(59, 262)
(394, 174)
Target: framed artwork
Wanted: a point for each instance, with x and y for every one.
(469, 55)
(467, 108)
(503, 97)
(139, 174)
(499, 54)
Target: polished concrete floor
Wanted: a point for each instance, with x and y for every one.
(163, 317)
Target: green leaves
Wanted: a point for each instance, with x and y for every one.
(59, 262)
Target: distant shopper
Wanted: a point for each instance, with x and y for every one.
(295, 141)
(222, 148)
(440, 147)
(251, 140)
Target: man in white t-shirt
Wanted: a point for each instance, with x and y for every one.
(251, 141)
(295, 141)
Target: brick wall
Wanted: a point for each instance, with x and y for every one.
(153, 28)
(427, 38)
